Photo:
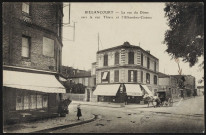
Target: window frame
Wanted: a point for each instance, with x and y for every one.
(148, 78)
(148, 63)
(155, 79)
(105, 60)
(46, 55)
(132, 75)
(116, 61)
(131, 57)
(142, 59)
(29, 6)
(29, 46)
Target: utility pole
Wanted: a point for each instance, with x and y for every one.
(98, 41)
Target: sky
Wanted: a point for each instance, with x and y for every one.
(80, 45)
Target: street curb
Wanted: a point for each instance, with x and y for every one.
(66, 126)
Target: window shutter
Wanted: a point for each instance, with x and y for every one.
(141, 76)
(25, 47)
(102, 73)
(116, 76)
(129, 76)
(135, 76)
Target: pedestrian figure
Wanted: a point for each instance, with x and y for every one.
(125, 99)
(194, 93)
(79, 114)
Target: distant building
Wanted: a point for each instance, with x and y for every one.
(83, 77)
(168, 84)
(189, 84)
(125, 70)
(32, 52)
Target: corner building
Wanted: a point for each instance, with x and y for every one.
(32, 51)
(125, 73)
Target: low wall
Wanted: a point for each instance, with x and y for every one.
(75, 97)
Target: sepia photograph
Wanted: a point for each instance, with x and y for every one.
(103, 67)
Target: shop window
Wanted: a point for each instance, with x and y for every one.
(131, 58)
(105, 60)
(48, 47)
(116, 58)
(19, 103)
(25, 7)
(148, 78)
(25, 51)
(116, 75)
(33, 102)
(39, 101)
(45, 101)
(26, 102)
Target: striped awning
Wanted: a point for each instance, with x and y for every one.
(133, 90)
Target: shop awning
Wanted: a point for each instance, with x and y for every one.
(133, 90)
(147, 90)
(32, 81)
(106, 90)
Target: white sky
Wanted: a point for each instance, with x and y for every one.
(113, 32)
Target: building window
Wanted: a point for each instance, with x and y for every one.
(105, 60)
(131, 58)
(19, 102)
(39, 101)
(48, 47)
(148, 78)
(33, 101)
(132, 76)
(25, 7)
(105, 76)
(155, 66)
(25, 50)
(45, 101)
(26, 102)
(116, 76)
(117, 58)
(155, 79)
(141, 76)
(142, 59)
(148, 62)
(94, 81)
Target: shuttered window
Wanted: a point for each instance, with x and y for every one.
(155, 79)
(131, 58)
(116, 58)
(155, 66)
(141, 76)
(116, 75)
(148, 62)
(141, 59)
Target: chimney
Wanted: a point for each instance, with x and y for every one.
(126, 43)
(148, 51)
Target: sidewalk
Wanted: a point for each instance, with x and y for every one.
(49, 124)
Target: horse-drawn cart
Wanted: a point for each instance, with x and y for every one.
(165, 98)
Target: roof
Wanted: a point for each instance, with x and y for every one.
(126, 45)
(162, 75)
(81, 74)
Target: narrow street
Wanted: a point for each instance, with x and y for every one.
(184, 117)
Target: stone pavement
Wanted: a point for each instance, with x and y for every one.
(52, 123)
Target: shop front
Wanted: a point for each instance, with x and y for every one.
(28, 96)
